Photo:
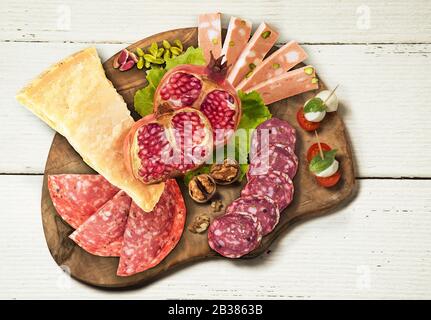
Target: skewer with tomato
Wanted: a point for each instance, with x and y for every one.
(314, 111)
(323, 164)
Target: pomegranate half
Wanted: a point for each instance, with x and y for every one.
(162, 146)
(204, 88)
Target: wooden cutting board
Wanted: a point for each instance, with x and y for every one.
(310, 200)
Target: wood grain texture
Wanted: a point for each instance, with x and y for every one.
(384, 90)
(310, 200)
(309, 21)
(378, 246)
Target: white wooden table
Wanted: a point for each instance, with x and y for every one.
(379, 246)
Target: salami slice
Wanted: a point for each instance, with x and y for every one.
(264, 185)
(278, 158)
(273, 131)
(102, 233)
(77, 196)
(233, 236)
(263, 208)
(150, 236)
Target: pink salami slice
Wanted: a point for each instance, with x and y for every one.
(233, 236)
(277, 158)
(150, 236)
(263, 208)
(273, 131)
(77, 196)
(265, 185)
(102, 233)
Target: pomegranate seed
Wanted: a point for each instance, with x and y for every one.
(217, 107)
(181, 89)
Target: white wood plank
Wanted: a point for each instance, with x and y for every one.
(384, 90)
(304, 20)
(376, 247)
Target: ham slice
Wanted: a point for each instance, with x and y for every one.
(276, 64)
(151, 236)
(78, 196)
(209, 35)
(253, 54)
(102, 233)
(287, 85)
(238, 34)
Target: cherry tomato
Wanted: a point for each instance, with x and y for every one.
(329, 181)
(314, 150)
(304, 123)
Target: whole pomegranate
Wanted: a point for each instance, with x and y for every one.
(203, 88)
(161, 146)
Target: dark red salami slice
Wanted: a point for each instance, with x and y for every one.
(77, 196)
(151, 236)
(278, 158)
(233, 236)
(273, 131)
(263, 208)
(264, 185)
(102, 233)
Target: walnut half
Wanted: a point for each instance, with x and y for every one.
(225, 173)
(202, 188)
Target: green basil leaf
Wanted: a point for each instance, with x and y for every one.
(318, 164)
(314, 105)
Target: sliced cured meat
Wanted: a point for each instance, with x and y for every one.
(263, 208)
(233, 236)
(264, 185)
(278, 178)
(102, 233)
(209, 35)
(273, 131)
(276, 64)
(237, 36)
(277, 157)
(150, 236)
(77, 196)
(253, 54)
(287, 85)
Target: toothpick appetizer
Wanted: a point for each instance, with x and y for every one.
(323, 164)
(314, 111)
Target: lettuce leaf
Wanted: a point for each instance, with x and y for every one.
(190, 56)
(144, 97)
(143, 100)
(254, 112)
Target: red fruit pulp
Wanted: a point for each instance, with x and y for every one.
(181, 90)
(147, 151)
(192, 136)
(219, 107)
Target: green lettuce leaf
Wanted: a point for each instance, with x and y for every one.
(143, 100)
(190, 56)
(254, 112)
(144, 97)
